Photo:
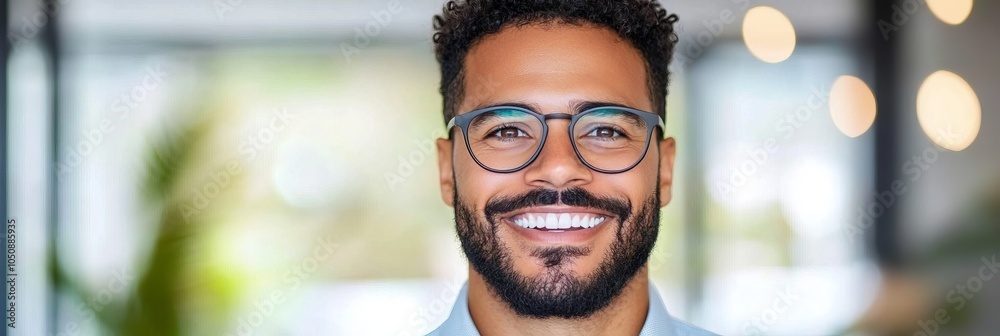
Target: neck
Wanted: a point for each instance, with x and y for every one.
(624, 316)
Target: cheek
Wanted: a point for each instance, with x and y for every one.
(477, 185)
(649, 168)
(635, 185)
(465, 168)
(639, 182)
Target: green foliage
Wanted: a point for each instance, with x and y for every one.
(153, 307)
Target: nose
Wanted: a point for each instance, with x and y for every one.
(557, 166)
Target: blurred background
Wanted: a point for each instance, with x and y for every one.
(252, 167)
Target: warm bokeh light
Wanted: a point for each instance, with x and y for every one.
(952, 12)
(768, 34)
(948, 110)
(852, 106)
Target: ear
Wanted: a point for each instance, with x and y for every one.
(668, 150)
(446, 171)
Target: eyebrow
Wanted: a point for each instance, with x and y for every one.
(575, 106)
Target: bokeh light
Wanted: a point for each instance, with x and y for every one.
(952, 12)
(768, 34)
(948, 110)
(852, 106)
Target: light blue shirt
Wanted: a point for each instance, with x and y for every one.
(658, 321)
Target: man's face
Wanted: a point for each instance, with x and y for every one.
(555, 273)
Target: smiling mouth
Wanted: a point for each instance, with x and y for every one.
(559, 222)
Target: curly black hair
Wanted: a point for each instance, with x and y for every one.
(643, 23)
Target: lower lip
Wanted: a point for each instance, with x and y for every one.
(559, 237)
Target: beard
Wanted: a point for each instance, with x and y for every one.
(558, 292)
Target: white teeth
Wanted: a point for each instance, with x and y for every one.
(559, 221)
(551, 222)
(565, 221)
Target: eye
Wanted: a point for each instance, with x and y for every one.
(604, 132)
(508, 132)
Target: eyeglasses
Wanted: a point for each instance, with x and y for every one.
(607, 139)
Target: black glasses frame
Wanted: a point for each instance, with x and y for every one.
(463, 120)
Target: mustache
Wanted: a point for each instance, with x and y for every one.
(575, 196)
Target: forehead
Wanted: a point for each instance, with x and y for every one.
(554, 66)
